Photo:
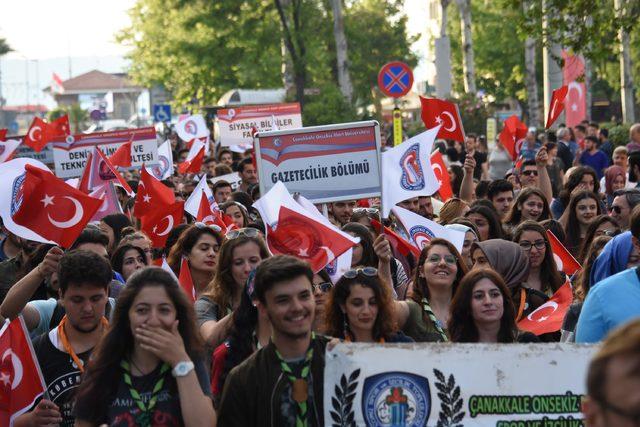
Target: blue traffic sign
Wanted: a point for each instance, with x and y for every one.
(395, 79)
(161, 112)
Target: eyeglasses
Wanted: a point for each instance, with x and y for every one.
(538, 244)
(616, 209)
(606, 232)
(435, 259)
(367, 271)
(248, 232)
(324, 287)
(530, 172)
(214, 227)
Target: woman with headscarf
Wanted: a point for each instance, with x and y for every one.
(615, 178)
(618, 254)
(510, 261)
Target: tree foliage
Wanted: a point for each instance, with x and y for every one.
(4, 47)
(200, 49)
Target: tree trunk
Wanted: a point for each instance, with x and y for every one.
(468, 65)
(533, 103)
(287, 65)
(344, 80)
(551, 71)
(626, 79)
(443, 56)
(293, 40)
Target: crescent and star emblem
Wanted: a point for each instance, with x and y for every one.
(547, 304)
(169, 226)
(75, 218)
(453, 125)
(32, 133)
(17, 368)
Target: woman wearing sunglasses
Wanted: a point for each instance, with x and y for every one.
(482, 311)
(241, 252)
(543, 270)
(321, 287)
(199, 245)
(424, 316)
(360, 309)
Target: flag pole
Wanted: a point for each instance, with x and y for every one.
(33, 356)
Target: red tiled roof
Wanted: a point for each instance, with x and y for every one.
(31, 108)
(97, 80)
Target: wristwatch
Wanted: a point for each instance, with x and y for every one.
(182, 369)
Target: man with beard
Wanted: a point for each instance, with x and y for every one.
(342, 211)
(282, 383)
(62, 352)
(12, 268)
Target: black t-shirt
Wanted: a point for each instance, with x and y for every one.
(60, 373)
(123, 410)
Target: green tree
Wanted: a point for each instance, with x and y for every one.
(78, 117)
(4, 47)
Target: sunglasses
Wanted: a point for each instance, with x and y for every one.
(367, 271)
(527, 173)
(372, 211)
(214, 227)
(616, 209)
(538, 244)
(247, 231)
(324, 287)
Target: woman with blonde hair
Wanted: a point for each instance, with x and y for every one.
(452, 208)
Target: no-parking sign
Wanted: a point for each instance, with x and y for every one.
(395, 79)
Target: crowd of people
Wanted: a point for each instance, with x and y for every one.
(119, 342)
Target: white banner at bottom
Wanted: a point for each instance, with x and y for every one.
(503, 385)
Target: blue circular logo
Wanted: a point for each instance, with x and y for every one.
(17, 193)
(421, 235)
(396, 399)
(412, 178)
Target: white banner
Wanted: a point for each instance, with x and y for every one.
(236, 123)
(232, 178)
(322, 163)
(503, 385)
(71, 155)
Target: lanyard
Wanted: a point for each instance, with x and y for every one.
(299, 386)
(429, 312)
(65, 341)
(144, 417)
(523, 299)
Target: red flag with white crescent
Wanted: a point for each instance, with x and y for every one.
(158, 223)
(514, 130)
(550, 315)
(442, 175)
(302, 236)
(436, 112)
(575, 103)
(152, 195)
(563, 258)
(21, 382)
(53, 208)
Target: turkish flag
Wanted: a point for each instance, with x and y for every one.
(186, 281)
(205, 214)
(21, 382)
(102, 171)
(439, 112)
(60, 127)
(575, 102)
(3, 134)
(158, 223)
(122, 156)
(557, 105)
(400, 245)
(304, 237)
(563, 258)
(550, 315)
(152, 195)
(53, 208)
(41, 132)
(442, 175)
(193, 165)
(514, 130)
